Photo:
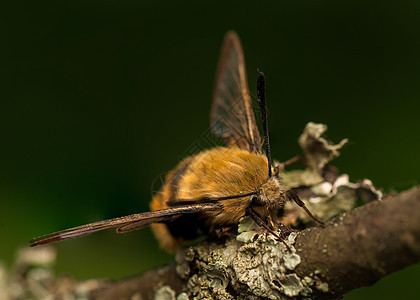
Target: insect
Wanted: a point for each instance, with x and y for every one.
(208, 193)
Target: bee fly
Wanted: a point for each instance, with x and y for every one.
(208, 193)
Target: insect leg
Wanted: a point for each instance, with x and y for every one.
(270, 222)
(291, 161)
(223, 231)
(292, 195)
(257, 219)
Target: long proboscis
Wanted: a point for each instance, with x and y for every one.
(147, 218)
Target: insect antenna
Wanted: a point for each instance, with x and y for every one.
(263, 109)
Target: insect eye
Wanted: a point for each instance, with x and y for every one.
(255, 200)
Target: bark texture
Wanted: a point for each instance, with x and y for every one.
(363, 246)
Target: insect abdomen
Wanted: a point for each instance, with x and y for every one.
(218, 172)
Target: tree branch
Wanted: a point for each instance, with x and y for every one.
(353, 250)
(365, 245)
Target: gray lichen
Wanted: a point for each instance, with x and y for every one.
(260, 267)
(33, 277)
(182, 296)
(328, 195)
(165, 293)
(318, 150)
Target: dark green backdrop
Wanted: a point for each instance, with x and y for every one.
(99, 98)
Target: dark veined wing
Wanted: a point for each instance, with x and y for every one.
(232, 116)
(127, 223)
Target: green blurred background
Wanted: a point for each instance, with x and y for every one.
(100, 98)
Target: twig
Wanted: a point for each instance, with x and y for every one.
(353, 250)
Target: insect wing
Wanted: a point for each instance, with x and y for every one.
(232, 117)
(124, 224)
(166, 215)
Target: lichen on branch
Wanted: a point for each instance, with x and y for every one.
(356, 247)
